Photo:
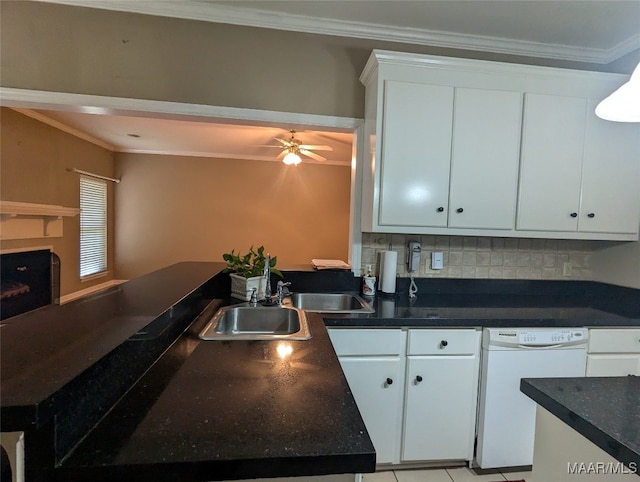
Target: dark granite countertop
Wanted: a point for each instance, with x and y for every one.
(217, 410)
(495, 311)
(43, 351)
(605, 410)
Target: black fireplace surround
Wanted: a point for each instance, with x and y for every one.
(30, 279)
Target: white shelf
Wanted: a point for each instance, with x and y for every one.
(19, 220)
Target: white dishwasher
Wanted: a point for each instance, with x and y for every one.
(506, 417)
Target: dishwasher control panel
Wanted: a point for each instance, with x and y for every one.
(533, 337)
(548, 337)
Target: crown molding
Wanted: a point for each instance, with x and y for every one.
(64, 127)
(210, 12)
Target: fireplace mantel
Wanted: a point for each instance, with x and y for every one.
(19, 220)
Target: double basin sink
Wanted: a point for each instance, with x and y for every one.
(286, 322)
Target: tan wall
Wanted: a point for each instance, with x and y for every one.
(618, 263)
(172, 209)
(33, 163)
(83, 50)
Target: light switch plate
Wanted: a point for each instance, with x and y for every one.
(437, 260)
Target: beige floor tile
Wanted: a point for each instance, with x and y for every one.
(426, 475)
(315, 478)
(384, 476)
(463, 474)
(517, 475)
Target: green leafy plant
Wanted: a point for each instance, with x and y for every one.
(250, 264)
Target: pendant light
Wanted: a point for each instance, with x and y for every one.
(624, 104)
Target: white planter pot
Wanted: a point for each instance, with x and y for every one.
(241, 287)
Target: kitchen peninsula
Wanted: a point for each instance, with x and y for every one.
(118, 385)
(202, 411)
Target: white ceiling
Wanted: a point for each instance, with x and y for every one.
(200, 138)
(583, 30)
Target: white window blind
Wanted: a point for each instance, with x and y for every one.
(93, 226)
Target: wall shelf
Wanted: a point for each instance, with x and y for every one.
(19, 220)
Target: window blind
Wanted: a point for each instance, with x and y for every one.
(93, 226)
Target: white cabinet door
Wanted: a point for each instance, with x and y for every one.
(484, 159)
(551, 163)
(613, 365)
(440, 404)
(416, 154)
(377, 387)
(611, 171)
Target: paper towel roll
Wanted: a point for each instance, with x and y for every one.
(388, 268)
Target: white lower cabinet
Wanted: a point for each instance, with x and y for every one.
(373, 361)
(613, 352)
(376, 384)
(440, 394)
(416, 389)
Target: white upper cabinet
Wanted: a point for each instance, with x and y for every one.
(416, 146)
(588, 167)
(484, 158)
(610, 176)
(551, 167)
(477, 148)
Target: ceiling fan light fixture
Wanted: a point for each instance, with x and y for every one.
(292, 158)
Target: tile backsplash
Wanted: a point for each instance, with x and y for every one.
(487, 257)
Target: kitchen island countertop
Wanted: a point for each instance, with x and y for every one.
(605, 410)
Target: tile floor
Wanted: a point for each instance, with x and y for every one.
(458, 474)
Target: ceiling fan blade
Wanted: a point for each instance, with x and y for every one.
(316, 148)
(284, 142)
(312, 155)
(282, 154)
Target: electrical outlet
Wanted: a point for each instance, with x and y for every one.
(566, 269)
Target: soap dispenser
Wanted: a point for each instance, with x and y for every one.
(368, 282)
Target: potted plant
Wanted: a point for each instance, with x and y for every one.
(247, 272)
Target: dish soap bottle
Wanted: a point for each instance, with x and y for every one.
(368, 283)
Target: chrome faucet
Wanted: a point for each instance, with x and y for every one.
(254, 298)
(267, 274)
(282, 291)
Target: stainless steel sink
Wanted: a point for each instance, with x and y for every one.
(257, 323)
(328, 303)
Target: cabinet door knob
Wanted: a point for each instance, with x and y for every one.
(574, 215)
(443, 343)
(591, 215)
(440, 209)
(459, 210)
(389, 381)
(418, 378)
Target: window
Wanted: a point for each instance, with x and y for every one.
(93, 226)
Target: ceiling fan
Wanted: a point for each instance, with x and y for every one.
(293, 148)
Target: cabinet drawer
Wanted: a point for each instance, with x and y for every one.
(443, 342)
(620, 340)
(364, 341)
